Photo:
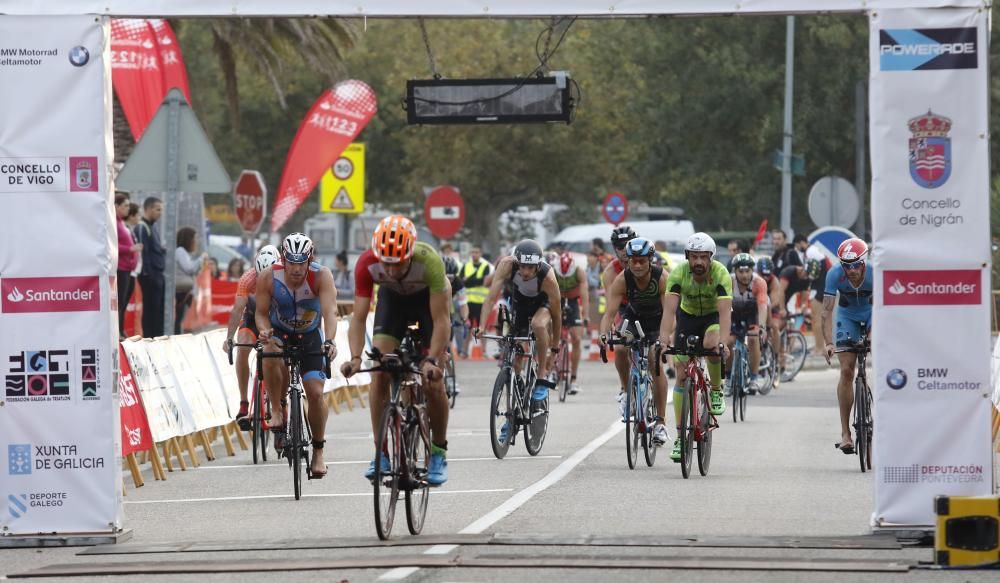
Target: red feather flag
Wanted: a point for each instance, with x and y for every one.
(761, 231)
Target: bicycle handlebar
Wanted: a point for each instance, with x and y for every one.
(259, 347)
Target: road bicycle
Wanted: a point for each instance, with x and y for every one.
(562, 370)
(739, 377)
(697, 422)
(640, 410)
(767, 370)
(864, 427)
(511, 407)
(403, 441)
(260, 408)
(448, 368)
(795, 345)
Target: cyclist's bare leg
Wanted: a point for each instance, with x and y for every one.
(714, 362)
(575, 335)
(730, 342)
(438, 410)
(753, 344)
(243, 336)
(622, 365)
(779, 346)
(378, 393)
(540, 326)
(845, 394)
(317, 413)
(659, 384)
(276, 383)
(681, 371)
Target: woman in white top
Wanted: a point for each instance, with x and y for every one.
(186, 267)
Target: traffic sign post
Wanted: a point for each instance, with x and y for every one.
(444, 212)
(342, 188)
(615, 208)
(250, 200)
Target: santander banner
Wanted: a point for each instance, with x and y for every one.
(332, 123)
(25, 295)
(949, 287)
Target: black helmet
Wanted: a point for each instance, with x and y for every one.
(622, 234)
(743, 260)
(450, 267)
(528, 252)
(765, 266)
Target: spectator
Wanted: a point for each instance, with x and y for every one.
(783, 254)
(735, 247)
(154, 258)
(597, 246)
(213, 268)
(594, 270)
(186, 268)
(127, 258)
(235, 269)
(343, 278)
(799, 244)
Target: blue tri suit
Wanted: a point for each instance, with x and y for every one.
(854, 305)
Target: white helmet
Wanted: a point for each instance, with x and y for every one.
(699, 242)
(297, 248)
(266, 257)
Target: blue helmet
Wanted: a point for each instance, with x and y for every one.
(639, 247)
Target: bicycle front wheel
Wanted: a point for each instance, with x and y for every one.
(795, 354)
(295, 442)
(632, 423)
(768, 369)
(862, 424)
(649, 410)
(388, 454)
(257, 424)
(705, 439)
(563, 369)
(418, 460)
(687, 429)
(502, 427)
(538, 425)
(450, 382)
(736, 381)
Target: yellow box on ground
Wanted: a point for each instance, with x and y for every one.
(968, 530)
(342, 188)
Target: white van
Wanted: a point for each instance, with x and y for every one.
(674, 233)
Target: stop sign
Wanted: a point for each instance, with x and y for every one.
(444, 212)
(250, 199)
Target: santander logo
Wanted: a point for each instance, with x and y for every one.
(25, 295)
(953, 287)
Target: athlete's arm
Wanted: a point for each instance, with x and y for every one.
(264, 282)
(499, 277)
(440, 302)
(328, 308)
(581, 276)
(608, 276)
(615, 293)
(551, 288)
(234, 319)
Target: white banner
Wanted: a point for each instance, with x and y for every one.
(225, 372)
(199, 363)
(930, 218)
(163, 377)
(59, 416)
(163, 415)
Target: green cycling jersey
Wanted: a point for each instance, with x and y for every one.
(700, 299)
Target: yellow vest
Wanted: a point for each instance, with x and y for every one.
(475, 295)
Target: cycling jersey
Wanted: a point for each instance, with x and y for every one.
(747, 301)
(646, 302)
(295, 311)
(699, 299)
(426, 271)
(247, 288)
(854, 303)
(569, 286)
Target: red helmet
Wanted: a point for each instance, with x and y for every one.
(853, 251)
(566, 264)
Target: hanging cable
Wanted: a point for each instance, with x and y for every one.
(427, 45)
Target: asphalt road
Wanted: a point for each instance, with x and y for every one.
(780, 504)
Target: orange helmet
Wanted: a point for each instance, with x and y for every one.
(394, 239)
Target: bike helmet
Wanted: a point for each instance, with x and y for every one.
(621, 235)
(765, 266)
(699, 242)
(639, 247)
(450, 267)
(552, 258)
(813, 268)
(297, 248)
(394, 239)
(743, 260)
(565, 266)
(266, 257)
(528, 252)
(852, 251)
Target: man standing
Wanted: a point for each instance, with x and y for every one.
(474, 274)
(783, 254)
(153, 263)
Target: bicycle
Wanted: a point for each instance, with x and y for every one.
(562, 369)
(297, 434)
(640, 411)
(448, 368)
(796, 348)
(260, 408)
(403, 443)
(864, 427)
(697, 422)
(739, 377)
(511, 407)
(767, 371)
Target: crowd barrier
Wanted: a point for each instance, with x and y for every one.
(179, 394)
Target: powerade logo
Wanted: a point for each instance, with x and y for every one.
(896, 378)
(923, 49)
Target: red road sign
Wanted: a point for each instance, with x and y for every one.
(444, 212)
(614, 208)
(249, 200)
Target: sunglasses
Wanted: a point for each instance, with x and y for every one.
(853, 266)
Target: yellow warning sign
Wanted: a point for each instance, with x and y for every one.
(342, 188)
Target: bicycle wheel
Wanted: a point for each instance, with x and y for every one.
(386, 485)
(767, 372)
(257, 424)
(687, 429)
(870, 433)
(563, 370)
(450, 382)
(795, 354)
(744, 395)
(632, 422)
(295, 442)
(736, 383)
(705, 440)
(501, 414)
(648, 448)
(538, 426)
(418, 459)
(862, 424)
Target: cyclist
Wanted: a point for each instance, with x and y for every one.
(620, 237)
(853, 282)
(531, 285)
(765, 269)
(459, 308)
(795, 280)
(242, 315)
(292, 298)
(644, 285)
(573, 289)
(700, 298)
(412, 288)
(749, 312)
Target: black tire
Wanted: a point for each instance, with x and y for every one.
(563, 369)
(768, 370)
(450, 381)
(648, 448)
(736, 384)
(870, 433)
(862, 425)
(418, 460)
(294, 443)
(257, 424)
(687, 430)
(501, 412)
(796, 349)
(535, 430)
(632, 423)
(744, 397)
(705, 443)
(386, 486)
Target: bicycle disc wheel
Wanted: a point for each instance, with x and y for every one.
(451, 383)
(538, 426)
(386, 485)
(563, 376)
(257, 424)
(795, 355)
(705, 443)
(632, 423)
(418, 460)
(294, 444)
(501, 414)
(687, 430)
(648, 448)
(767, 371)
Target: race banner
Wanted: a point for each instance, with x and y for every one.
(931, 255)
(135, 426)
(59, 415)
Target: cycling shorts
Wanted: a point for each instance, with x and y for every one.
(524, 309)
(311, 366)
(571, 313)
(249, 319)
(847, 331)
(689, 325)
(394, 312)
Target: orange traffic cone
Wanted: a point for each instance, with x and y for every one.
(594, 353)
(477, 350)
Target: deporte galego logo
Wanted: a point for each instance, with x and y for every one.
(24, 295)
(922, 49)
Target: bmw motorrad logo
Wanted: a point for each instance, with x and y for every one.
(896, 378)
(79, 56)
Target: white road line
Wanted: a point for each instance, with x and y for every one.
(264, 496)
(515, 501)
(365, 462)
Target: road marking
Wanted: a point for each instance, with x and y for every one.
(515, 501)
(363, 462)
(265, 496)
